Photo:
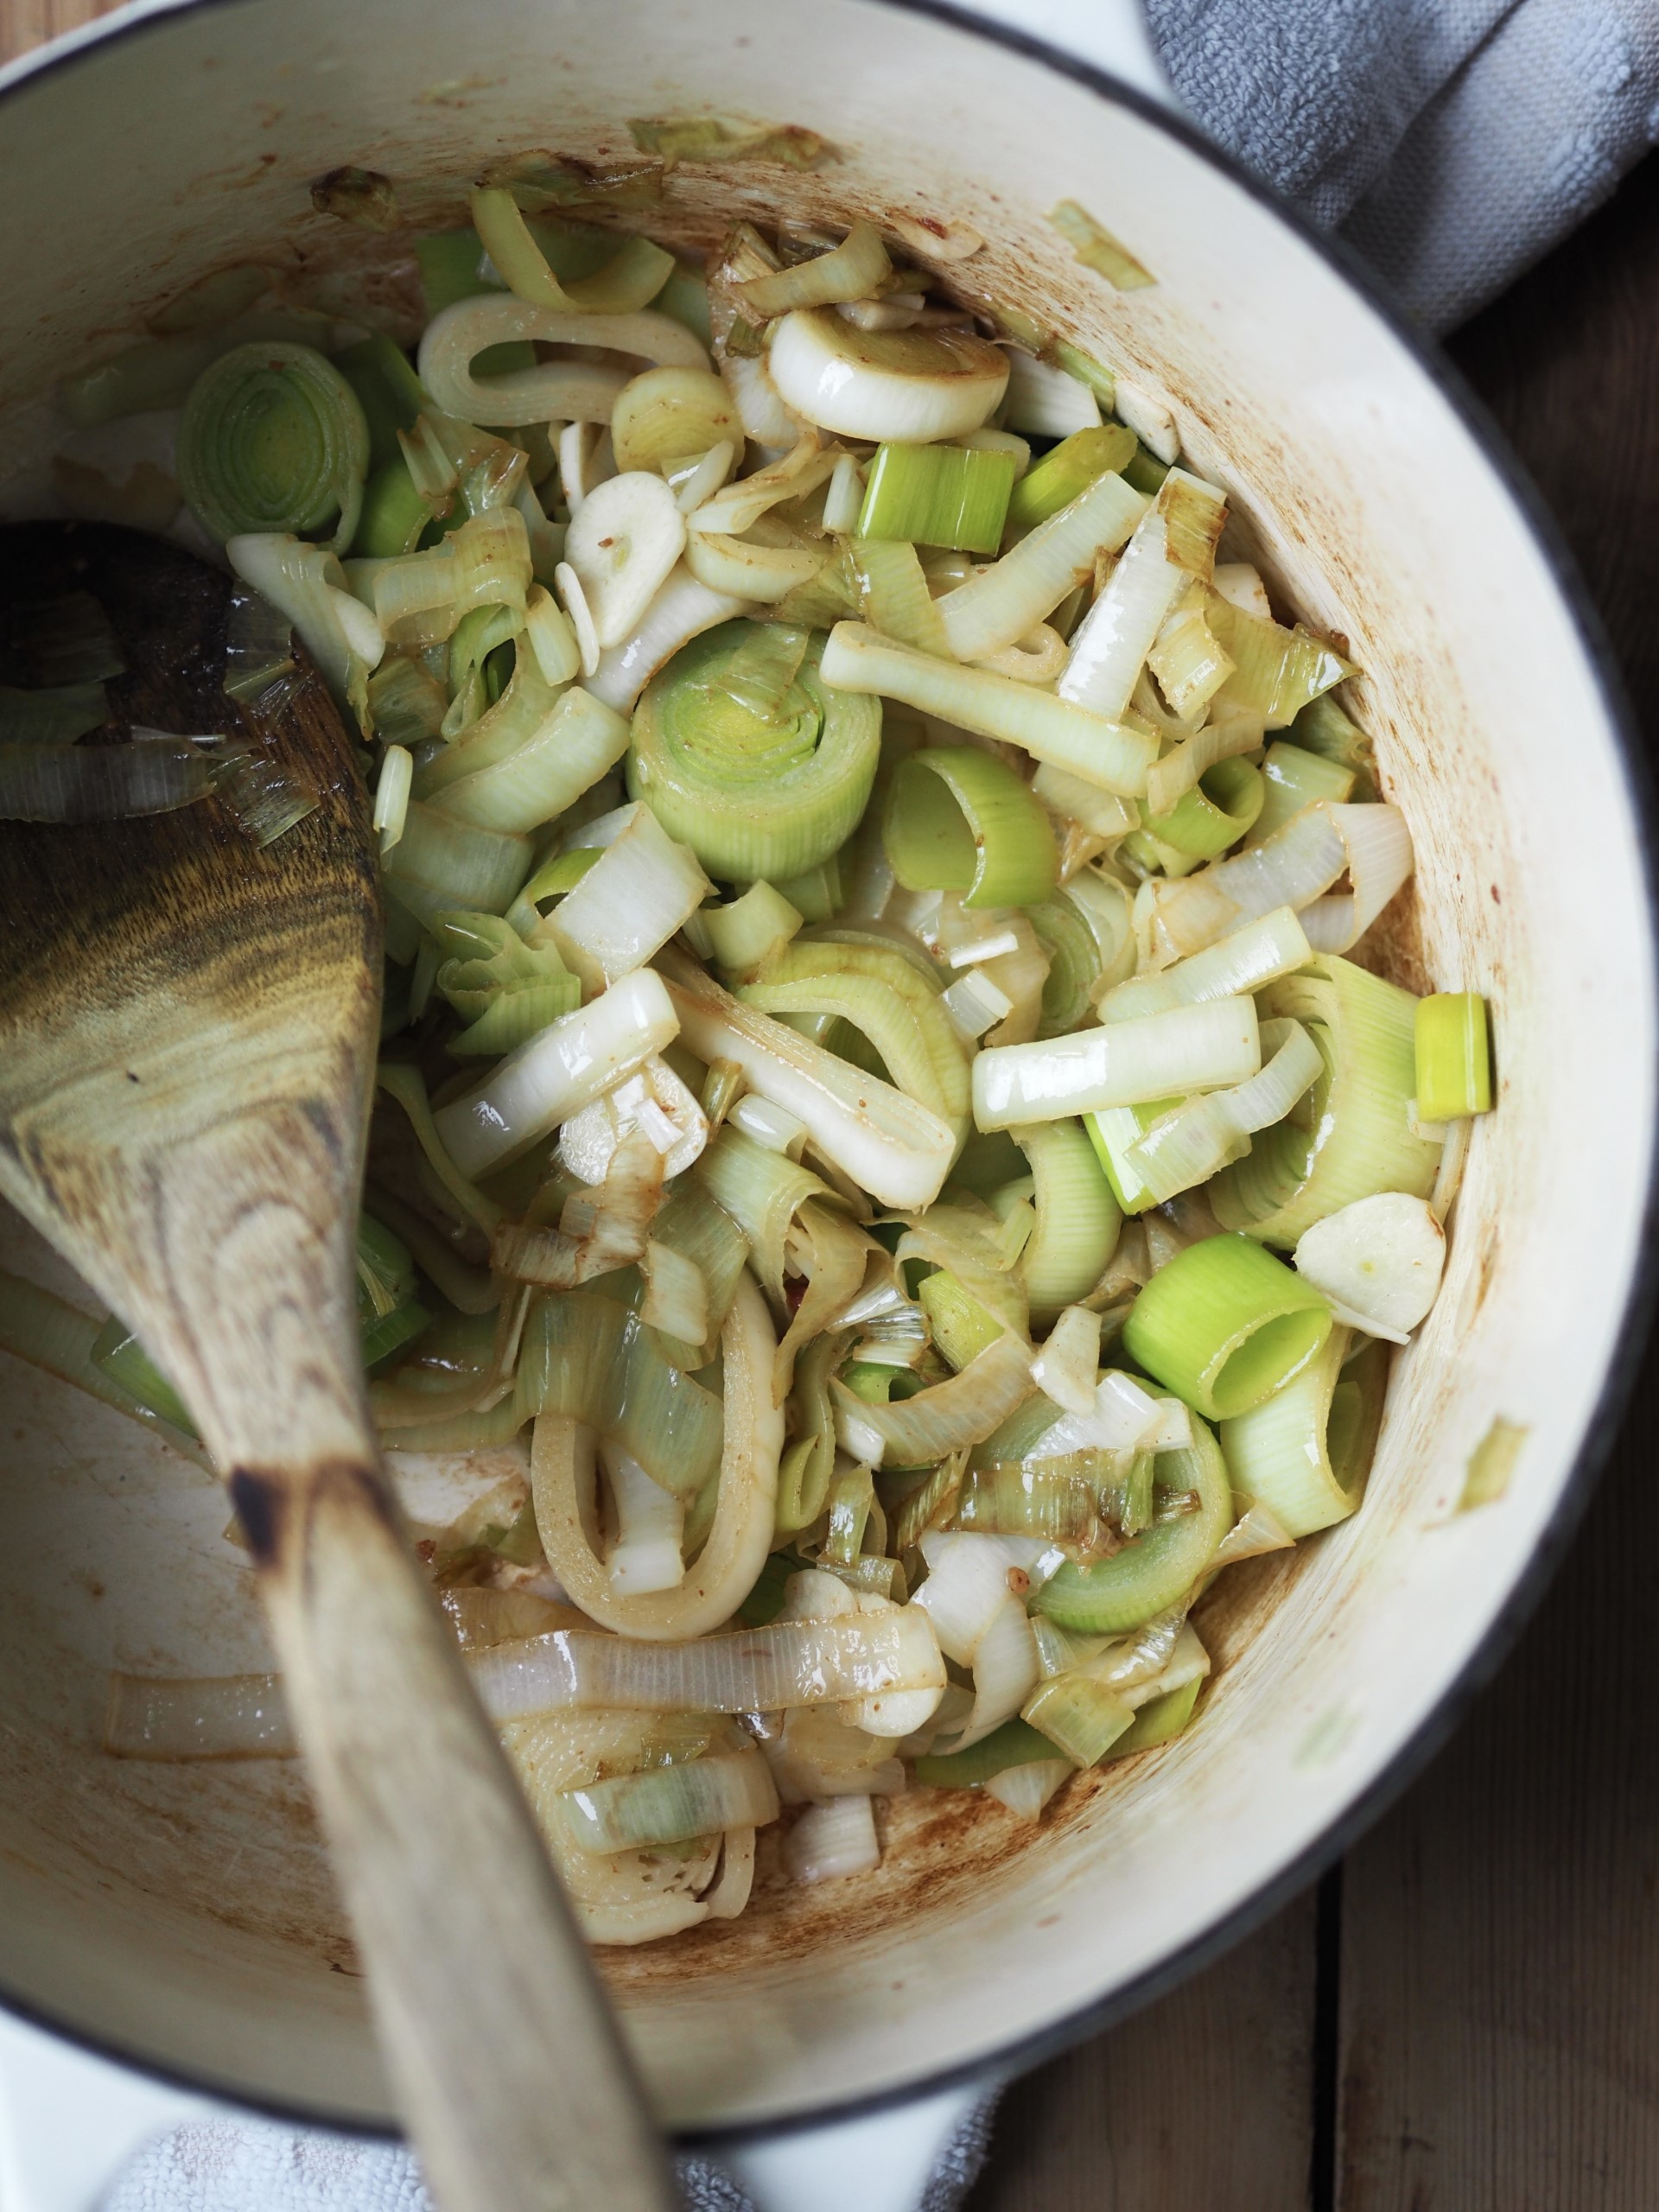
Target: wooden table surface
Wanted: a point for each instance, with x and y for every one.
(1464, 2017)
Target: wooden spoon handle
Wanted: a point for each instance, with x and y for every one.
(508, 2066)
(507, 2062)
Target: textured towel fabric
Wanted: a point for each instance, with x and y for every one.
(1451, 141)
(252, 2167)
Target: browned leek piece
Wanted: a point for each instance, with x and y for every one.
(188, 1030)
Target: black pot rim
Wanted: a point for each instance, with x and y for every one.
(1025, 2051)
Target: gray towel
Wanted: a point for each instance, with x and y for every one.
(1451, 141)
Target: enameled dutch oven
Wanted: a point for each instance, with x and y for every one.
(182, 1919)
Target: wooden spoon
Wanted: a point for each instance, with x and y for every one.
(188, 1033)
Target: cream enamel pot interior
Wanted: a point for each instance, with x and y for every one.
(182, 1917)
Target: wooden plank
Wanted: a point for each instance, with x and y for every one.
(26, 24)
(1500, 1957)
(1205, 2100)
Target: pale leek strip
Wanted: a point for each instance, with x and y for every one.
(744, 569)
(552, 391)
(1102, 813)
(1356, 1141)
(517, 716)
(1048, 728)
(441, 864)
(1293, 779)
(1087, 933)
(586, 1359)
(1080, 1714)
(762, 1190)
(1190, 666)
(900, 386)
(1067, 1367)
(1187, 1146)
(1256, 1530)
(656, 1100)
(1006, 1671)
(1077, 1218)
(649, 1526)
(749, 929)
(1045, 400)
(1380, 858)
(695, 1226)
(629, 281)
(1023, 589)
(306, 581)
(844, 499)
(849, 271)
(749, 1670)
(891, 1147)
(699, 482)
(957, 819)
(1258, 954)
(975, 1004)
(919, 1431)
(873, 986)
(831, 1255)
(1158, 1569)
(739, 507)
(554, 1074)
(681, 610)
(807, 1466)
(1304, 1452)
(38, 1327)
(1025, 1789)
(563, 757)
(665, 418)
(631, 902)
(760, 407)
(1378, 1262)
(1277, 672)
(833, 1840)
(407, 1085)
(1189, 1048)
(675, 1301)
(1111, 644)
(774, 1127)
(895, 593)
(670, 1804)
(391, 790)
(1180, 770)
(421, 598)
(967, 1584)
(1291, 868)
(622, 546)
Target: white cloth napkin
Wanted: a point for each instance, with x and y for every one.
(1452, 142)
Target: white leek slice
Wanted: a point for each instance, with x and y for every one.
(1378, 1262)
(1053, 729)
(304, 581)
(769, 1124)
(587, 459)
(975, 1004)
(744, 570)
(704, 477)
(391, 795)
(1187, 1147)
(1026, 1789)
(1380, 859)
(633, 899)
(622, 544)
(808, 463)
(551, 639)
(655, 1100)
(1149, 419)
(677, 1294)
(1005, 1670)
(1259, 953)
(724, 1571)
(1258, 1529)
(681, 610)
(1122, 1416)
(1241, 586)
(1004, 602)
(650, 1521)
(1046, 401)
(1157, 1056)
(759, 408)
(911, 384)
(557, 1071)
(1067, 1367)
(553, 392)
(968, 1583)
(670, 1804)
(891, 1146)
(832, 1840)
(1110, 647)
